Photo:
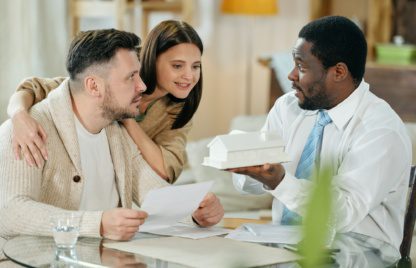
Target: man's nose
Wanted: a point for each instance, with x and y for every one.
(294, 74)
(141, 86)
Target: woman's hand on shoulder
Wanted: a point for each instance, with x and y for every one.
(28, 139)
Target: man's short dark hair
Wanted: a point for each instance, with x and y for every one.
(97, 47)
(337, 39)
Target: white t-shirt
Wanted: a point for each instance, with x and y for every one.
(370, 152)
(100, 190)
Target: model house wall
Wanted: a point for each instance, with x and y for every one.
(245, 149)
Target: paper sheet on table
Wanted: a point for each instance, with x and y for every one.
(208, 252)
(168, 205)
(267, 233)
(187, 231)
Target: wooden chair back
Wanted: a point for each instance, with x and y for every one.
(409, 222)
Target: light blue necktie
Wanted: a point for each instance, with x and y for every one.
(308, 159)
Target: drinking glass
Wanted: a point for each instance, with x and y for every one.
(65, 228)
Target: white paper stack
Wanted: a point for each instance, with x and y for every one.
(267, 233)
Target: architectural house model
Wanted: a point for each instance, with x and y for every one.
(245, 149)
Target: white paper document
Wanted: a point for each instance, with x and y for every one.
(267, 233)
(208, 252)
(187, 231)
(169, 205)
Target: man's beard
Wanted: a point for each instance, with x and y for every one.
(318, 98)
(113, 112)
(318, 101)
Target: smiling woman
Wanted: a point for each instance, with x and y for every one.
(178, 70)
(171, 70)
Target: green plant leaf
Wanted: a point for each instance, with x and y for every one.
(316, 227)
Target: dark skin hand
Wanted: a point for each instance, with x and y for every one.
(268, 174)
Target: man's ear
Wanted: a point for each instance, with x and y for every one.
(340, 71)
(93, 85)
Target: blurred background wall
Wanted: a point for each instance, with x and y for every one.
(35, 36)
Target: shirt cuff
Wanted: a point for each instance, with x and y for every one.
(289, 186)
(290, 191)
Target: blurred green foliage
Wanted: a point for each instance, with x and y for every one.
(317, 222)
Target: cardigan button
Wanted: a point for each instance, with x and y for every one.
(76, 178)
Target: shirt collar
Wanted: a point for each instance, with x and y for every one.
(343, 112)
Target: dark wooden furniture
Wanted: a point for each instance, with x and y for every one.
(275, 90)
(395, 84)
(374, 16)
(409, 223)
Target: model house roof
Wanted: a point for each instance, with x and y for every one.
(247, 141)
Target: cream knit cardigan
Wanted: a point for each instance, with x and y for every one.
(29, 195)
(157, 123)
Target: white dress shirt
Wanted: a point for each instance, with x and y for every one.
(370, 153)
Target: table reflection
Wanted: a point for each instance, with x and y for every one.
(355, 251)
(363, 251)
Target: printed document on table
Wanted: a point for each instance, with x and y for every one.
(168, 205)
(209, 252)
(187, 231)
(267, 233)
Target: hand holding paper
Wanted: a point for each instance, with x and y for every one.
(168, 205)
(210, 211)
(121, 223)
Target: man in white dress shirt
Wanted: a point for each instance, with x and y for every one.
(366, 142)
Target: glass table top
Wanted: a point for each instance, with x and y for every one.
(35, 251)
